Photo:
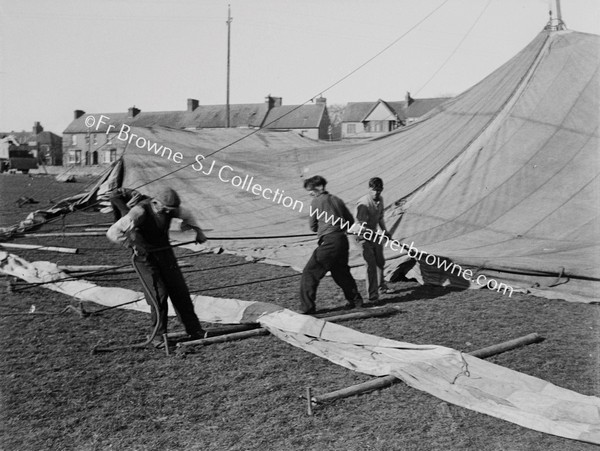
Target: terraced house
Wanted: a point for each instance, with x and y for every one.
(92, 139)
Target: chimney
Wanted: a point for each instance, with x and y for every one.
(273, 101)
(78, 113)
(133, 111)
(192, 104)
(37, 128)
(408, 99)
(321, 99)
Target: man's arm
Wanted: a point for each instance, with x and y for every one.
(341, 210)
(120, 231)
(124, 231)
(188, 223)
(313, 222)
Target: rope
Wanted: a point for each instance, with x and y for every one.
(456, 48)
(340, 80)
(247, 283)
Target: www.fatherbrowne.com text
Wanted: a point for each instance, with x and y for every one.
(228, 174)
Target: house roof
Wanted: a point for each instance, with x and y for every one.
(204, 116)
(22, 137)
(48, 138)
(295, 116)
(419, 107)
(240, 115)
(357, 111)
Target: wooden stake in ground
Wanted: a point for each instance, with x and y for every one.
(37, 247)
(386, 381)
(59, 234)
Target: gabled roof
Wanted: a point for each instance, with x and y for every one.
(420, 107)
(396, 108)
(294, 116)
(357, 111)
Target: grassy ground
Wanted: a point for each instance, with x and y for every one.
(245, 395)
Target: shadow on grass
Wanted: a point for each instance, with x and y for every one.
(411, 294)
(399, 296)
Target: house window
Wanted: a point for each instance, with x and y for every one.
(95, 139)
(74, 156)
(74, 140)
(374, 126)
(351, 129)
(110, 156)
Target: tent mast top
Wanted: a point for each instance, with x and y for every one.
(555, 23)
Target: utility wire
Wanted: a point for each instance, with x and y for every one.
(456, 48)
(352, 72)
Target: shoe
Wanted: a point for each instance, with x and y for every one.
(357, 302)
(386, 290)
(310, 311)
(197, 335)
(374, 298)
(158, 343)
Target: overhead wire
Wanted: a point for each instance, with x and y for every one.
(263, 126)
(320, 92)
(456, 48)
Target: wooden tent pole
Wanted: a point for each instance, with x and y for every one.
(369, 313)
(386, 381)
(37, 247)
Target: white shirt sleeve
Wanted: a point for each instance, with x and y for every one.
(120, 230)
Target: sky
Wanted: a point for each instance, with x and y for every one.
(104, 56)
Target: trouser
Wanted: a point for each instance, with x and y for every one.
(331, 255)
(373, 255)
(162, 277)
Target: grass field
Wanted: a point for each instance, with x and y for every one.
(245, 395)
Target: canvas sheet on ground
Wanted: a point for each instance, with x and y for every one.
(443, 372)
(504, 176)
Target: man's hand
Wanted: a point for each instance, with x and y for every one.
(139, 251)
(200, 237)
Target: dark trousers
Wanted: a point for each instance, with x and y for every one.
(161, 275)
(331, 255)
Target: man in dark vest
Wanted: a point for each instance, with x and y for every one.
(330, 218)
(124, 199)
(145, 228)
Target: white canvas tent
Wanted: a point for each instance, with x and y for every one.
(503, 178)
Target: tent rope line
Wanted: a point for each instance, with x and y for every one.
(274, 120)
(466, 35)
(294, 109)
(107, 271)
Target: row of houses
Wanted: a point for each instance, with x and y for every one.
(45, 146)
(91, 139)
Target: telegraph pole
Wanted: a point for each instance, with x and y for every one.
(229, 20)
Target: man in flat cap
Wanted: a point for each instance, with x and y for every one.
(145, 228)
